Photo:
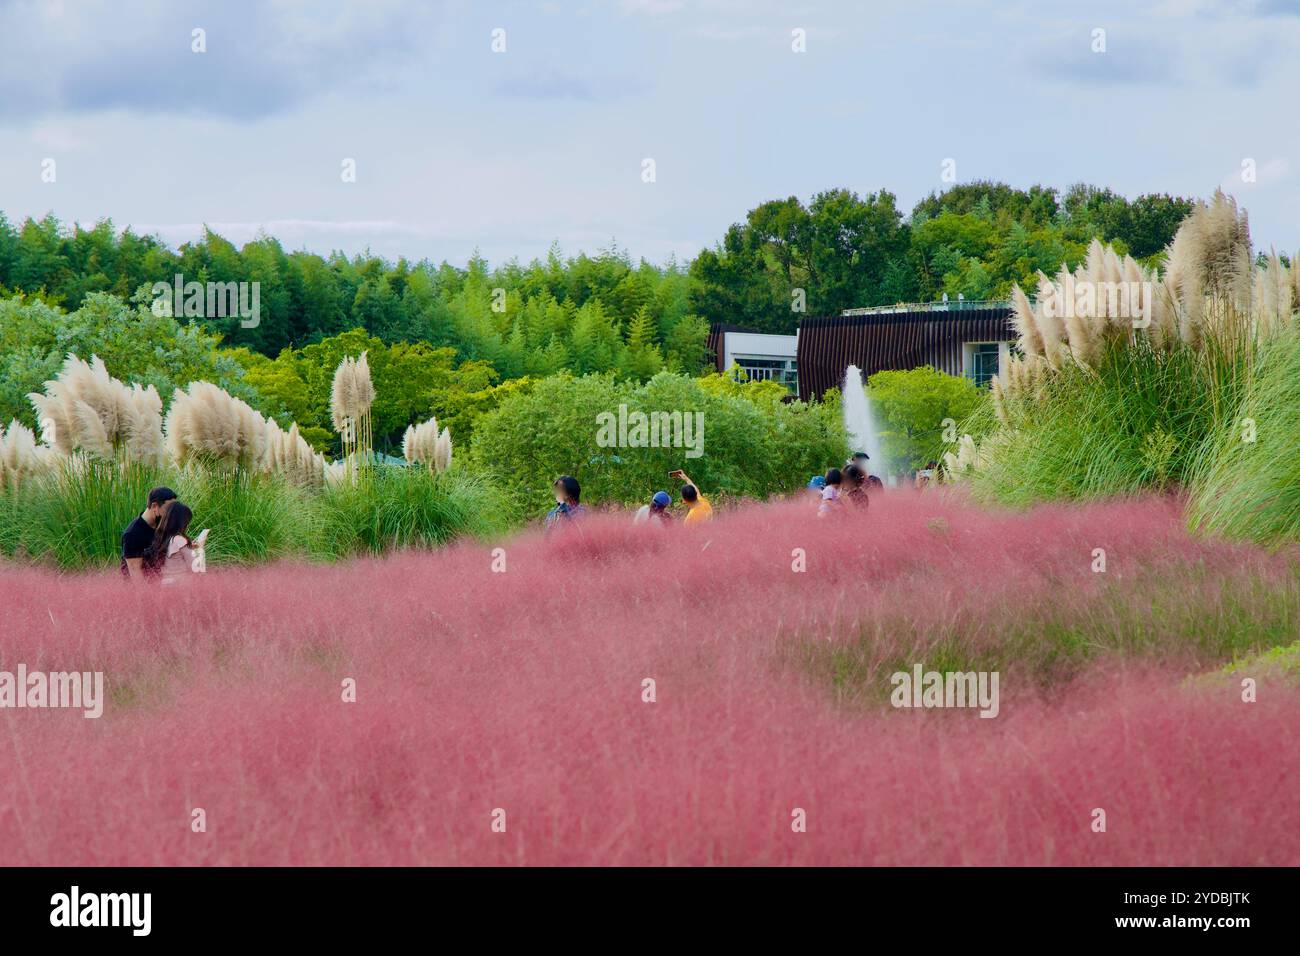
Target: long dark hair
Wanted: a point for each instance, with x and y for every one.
(174, 520)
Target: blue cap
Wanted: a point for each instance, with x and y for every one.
(662, 499)
(817, 481)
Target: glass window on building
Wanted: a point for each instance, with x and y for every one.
(984, 362)
(770, 369)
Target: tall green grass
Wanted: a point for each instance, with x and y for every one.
(1247, 481)
(75, 519)
(391, 508)
(252, 517)
(1137, 420)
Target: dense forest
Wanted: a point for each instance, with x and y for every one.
(976, 240)
(603, 312)
(457, 342)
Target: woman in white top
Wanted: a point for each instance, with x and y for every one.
(171, 556)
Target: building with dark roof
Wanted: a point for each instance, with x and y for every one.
(961, 338)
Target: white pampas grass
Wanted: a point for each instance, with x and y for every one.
(85, 409)
(273, 448)
(352, 393)
(351, 396)
(92, 435)
(1050, 331)
(1208, 283)
(142, 425)
(1021, 380)
(1022, 317)
(336, 473)
(1273, 297)
(57, 420)
(1208, 267)
(206, 423)
(20, 456)
(91, 385)
(289, 454)
(968, 459)
(424, 444)
(305, 464)
(442, 452)
(365, 389)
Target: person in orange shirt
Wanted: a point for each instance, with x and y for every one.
(698, 507)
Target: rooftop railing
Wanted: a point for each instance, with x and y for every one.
(952, 305)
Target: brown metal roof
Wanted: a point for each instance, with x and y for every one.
(893, 340)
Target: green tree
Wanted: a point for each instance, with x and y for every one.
(642, 358)
(135, 344)
(914, 405)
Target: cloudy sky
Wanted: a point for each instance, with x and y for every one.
(458, 147)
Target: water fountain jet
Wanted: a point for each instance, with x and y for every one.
(860, 422)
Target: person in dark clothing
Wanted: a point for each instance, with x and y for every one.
(855, 485)
(568, 503)
(139, 534)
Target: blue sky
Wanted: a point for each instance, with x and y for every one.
(459, 148)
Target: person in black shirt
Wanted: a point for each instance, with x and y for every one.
(139, 533)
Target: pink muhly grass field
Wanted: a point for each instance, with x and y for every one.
(522, 691)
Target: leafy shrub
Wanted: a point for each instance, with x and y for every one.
(750, 448)
(912, 406)
(136, 346)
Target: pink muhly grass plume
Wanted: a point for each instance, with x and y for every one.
(522, 690)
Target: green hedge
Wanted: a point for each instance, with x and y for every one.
(754, 445)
